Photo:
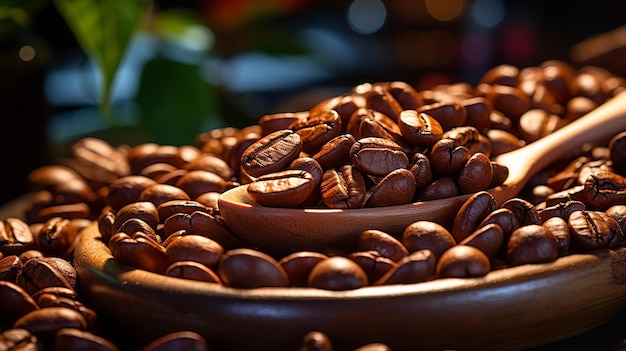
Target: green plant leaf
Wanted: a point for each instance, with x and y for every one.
(104, 28)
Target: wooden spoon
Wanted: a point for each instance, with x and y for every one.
(283, 230)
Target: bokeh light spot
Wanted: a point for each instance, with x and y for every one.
(366, 16)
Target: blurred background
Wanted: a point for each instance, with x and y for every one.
(164, 71)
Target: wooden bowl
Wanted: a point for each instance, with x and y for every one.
(513, 309)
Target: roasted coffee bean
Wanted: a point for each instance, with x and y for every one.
(447, 159)
(374, 128)
(418, 266)
(272, 153)
(126, 190)
(420, 167)
(382, 242)
(343, 188)
(98, 161)
(469, 137)
(47, 177)
(299, 264)
(138, 250)
(160, 193)
(363, 120)
(248, 269)
(37, 274)
(503, 74)
(509, 100)
(67, 211)
(618, 213)
(477, 111)
(197, 182)
(309, 164)
(419, 129)
(449, 115)
(56, 237)
(288, 188)
(535, 124)
(427, 235)
(373, 347)
(145, 210)
(316, 341)
(19, 339)
(504, 218)
(379, 99)
(15, 303)
(373, 263)
(106, 223)
(337, 273)
(439, 188)
(462, 261)
(472, 212)
(532, 243)
(405, 94)
(396, 188)
(345, 105)
(561, 209)
(182, 340)
(487, 238)
(559, 228)
(27, 255)
(202, 223)
(476, 175)
(57, 291)
(213, 164)
(9, 267)
(15, 236)
(47, 300)
(81, 340)
(336, 152)
(317, 129)
(173, 207)
(525, 211)
(64, 267)
(279, 121)
(45, 322)
(377, 156)
(503, 141)
(592, 230)
(157, 170)
(192, 270)
(194, 248)
(604, 189)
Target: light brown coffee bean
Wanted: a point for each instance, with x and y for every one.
(194, 248)
(56, 237)
(396, 188)
(19, 339)
(15, 236)
(197, 182)
(160, 193)
(126, 190)
(343, 188)
(317, 129)
(419, 129)
(377, 156)
(138, 250)
(288, 188)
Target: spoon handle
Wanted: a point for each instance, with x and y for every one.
(600, 124)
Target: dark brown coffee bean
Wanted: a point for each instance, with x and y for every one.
(105, 222)
(248, 269)
(427, 235)
(377, 156)
(47, 300)
(139, 251)
(462, 261)
(309, 164)
(405, 94)
(373, 347)
(503, 74)
(19, 339)
(192, 270)
(81, 340)
(213, 164)
(364, 119)
(374, 128)
(561, 209)
(336, 152)
(345, 105)
(379, 99)
(37, 274)
(173, 207)
(525, 212)
(279, 121)
(45, 322)
(56, 237)
(373, 263)
(271, 153)
(9, 267)
(504, 218)
(98, 161)
(15, 236)
(343, 188)
(418, 266)
(447, 159)
(617, 147)
(197, 182)
(126, 190)
(440, 188)
(157, 170)
(472, 212)
(298, 265)
(618, 213)
(396, 188)
(202, 223)
(145, 210)
(194, 248)
(67, 211)
(487, 238)
(317, 129)
(15, 303)
(604, 189)
(509, 100)
(476, 175)
(382, 242)
(316, 341)
(160, 193)
(503, 141)
(477, 110)
(449, 115)
(559, 228)
(531, 243)
(469, 137)
(419, 129)
(534, 124)
(337, 273)
(64, 267)
(288, 188)
(592, 230)
(420, 167)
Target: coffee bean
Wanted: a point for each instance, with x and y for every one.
(337, 273)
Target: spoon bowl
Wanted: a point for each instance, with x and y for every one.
(284, 230)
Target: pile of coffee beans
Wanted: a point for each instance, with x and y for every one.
(380, 144)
